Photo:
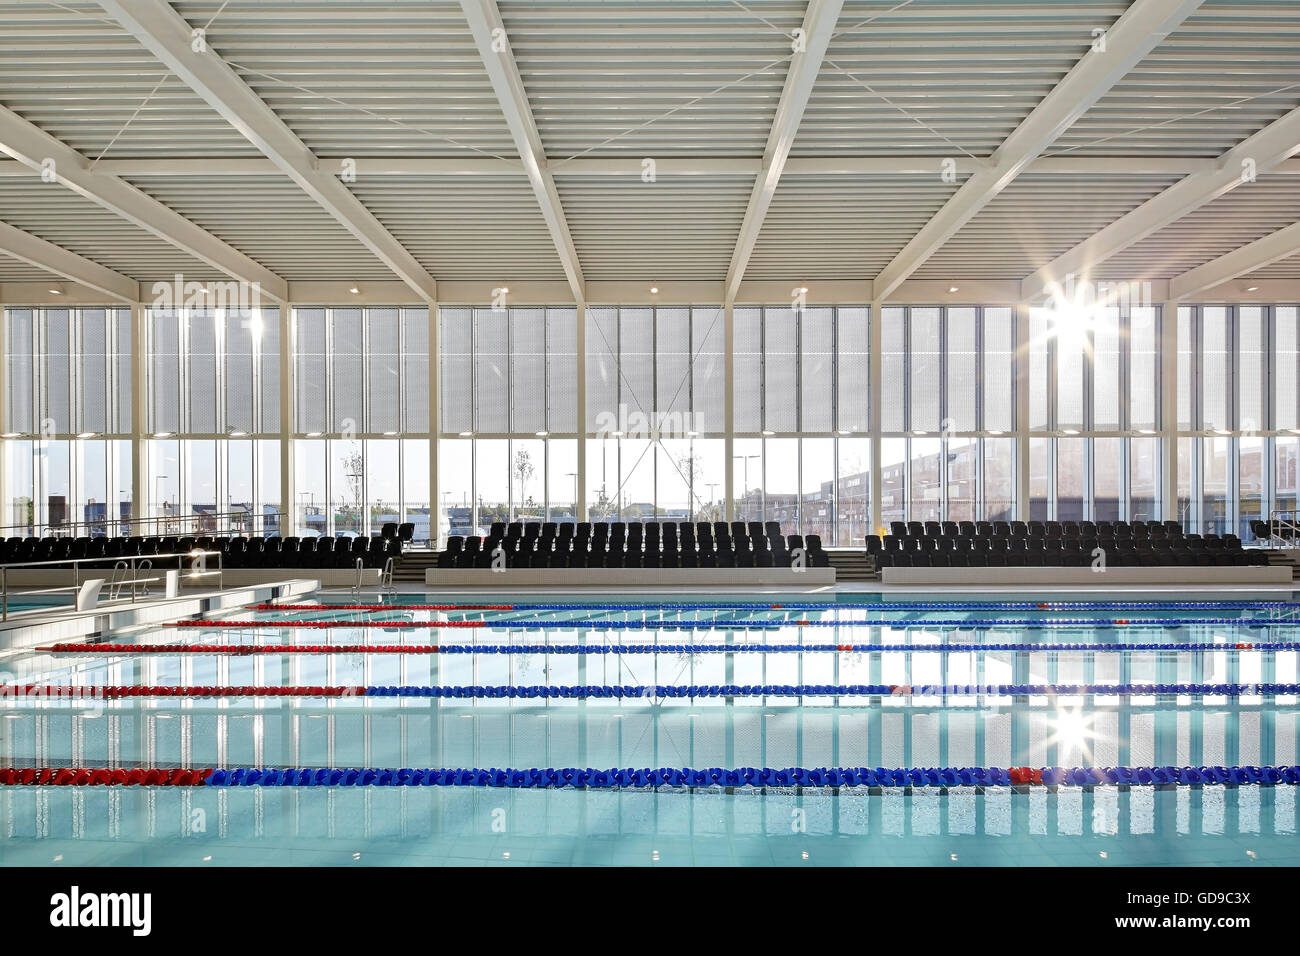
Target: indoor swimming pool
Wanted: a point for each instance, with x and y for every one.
(710, 730)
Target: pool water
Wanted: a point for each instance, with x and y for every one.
(781, 682)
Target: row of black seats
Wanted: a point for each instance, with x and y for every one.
(1101, 530)
(620, 544)
(236, 552)
(1280, 529)
(1013, 544)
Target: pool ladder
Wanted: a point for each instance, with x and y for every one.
(123, 574)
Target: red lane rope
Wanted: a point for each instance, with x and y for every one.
(240, 649)
(81, 777)
(388, 607)
(105, 692)
(325, 625)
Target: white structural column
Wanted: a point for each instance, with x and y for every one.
(580, 506)
(167, 35)
(435, 426)
(1169, 409)
(1238, 167)
(139, 409)
(1241, 261)
(875, 389)
(1022, 412)
(41, 153)
(818, 27)
(729, 410)
(46, 255)
(494, 48)
(288, 349)
(1138, 30)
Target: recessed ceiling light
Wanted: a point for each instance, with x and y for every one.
(355, 290)
(504, 290)
(56, 292)
(952, 288)
(1252, 288)
(802, 290)
(654, 290)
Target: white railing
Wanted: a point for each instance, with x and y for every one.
(1283, 528)
(134, 566)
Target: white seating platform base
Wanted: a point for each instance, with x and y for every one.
(613, 577)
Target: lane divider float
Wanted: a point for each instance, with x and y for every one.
(647, 778)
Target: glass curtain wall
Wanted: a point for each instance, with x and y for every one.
(948, 379)
(509, 406)
(67, 428)
(1237, 415)
(1094, 414)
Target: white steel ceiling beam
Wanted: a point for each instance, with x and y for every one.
(167, 35)
(818, 26)
(1244, 260)
(1265, 151)
(38, 153)
(43, 254)
(494, 49)
(1137, 31)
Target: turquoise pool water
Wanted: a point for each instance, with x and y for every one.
(949, 701)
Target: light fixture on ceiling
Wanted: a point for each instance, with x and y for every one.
(654, 290)
(919, 431)
(162, 434)
(1252, 288)
(952, 288)
(767, 434)
(238, 434)
(315, 434)
(541, 434)
(995, 431)
(355, 290)
(466, 434)
(503, 290)
(802, 290)
(55, 290)
(1146, 431)
(390, 434)
(85, 435)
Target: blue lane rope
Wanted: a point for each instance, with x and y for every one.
(1028, 624)
(890, 606)
(593, 691)
(852, 648)
(821, 777)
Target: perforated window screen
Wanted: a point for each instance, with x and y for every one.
(893, 369)
(780, 369)
(636, 360)
(852, 342)
(21, 356)
(925, 347)
(1144, 368)
(1251, 368)
(491, 381)
(201, 369)
(1107, 362)
(527, 369)
(456, 403)
(93, 366)
(672, 361)
(817, 370)
(241, 348)
(999, 369)
(56, 381)
(164, 371)
(269, 372)
(708, 369)
(602, 370)
(562, 370)
(310, 386)
(962, 374)
(1214, 368)
(748, 381)
(383, 371)
(347, 354)
(121, 358)
(415, 370)
(1287, 364)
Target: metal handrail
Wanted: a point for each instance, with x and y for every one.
(199, 570)
(1282, 521)
(161, 524)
